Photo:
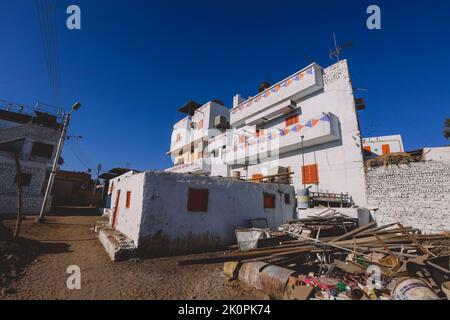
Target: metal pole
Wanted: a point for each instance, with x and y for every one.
(303, 162)
(51, 178)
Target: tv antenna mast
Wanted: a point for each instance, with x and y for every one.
(338, 48)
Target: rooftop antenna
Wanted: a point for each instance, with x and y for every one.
(338, 49)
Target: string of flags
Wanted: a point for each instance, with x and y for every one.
(274, 89)
(280, 132)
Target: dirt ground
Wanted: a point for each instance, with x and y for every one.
(70, 240)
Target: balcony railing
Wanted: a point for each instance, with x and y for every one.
(198, 166)
(315, 131)
(295, 87)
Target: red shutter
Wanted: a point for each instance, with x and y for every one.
(386, 149)
(269, 201)
(198, 200)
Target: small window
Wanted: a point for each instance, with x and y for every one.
(287, 198)
(178, 137)
(290, 120)
(128, 203)
(200, 124)
(257, 177)
(198, 200)
(43, 150)
(269, 201)
(25, 179)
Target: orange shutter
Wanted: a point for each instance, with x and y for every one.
(310, 174)
(386, 149)
(128, 199)
(257, 177)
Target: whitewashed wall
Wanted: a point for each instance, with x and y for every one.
(167, 227)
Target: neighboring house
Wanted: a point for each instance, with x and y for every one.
(192, 136)
(378, 146)
(32, 134)
(169, 213)
(74, 189)
(306, 124)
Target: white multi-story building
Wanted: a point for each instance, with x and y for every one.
(307, 123)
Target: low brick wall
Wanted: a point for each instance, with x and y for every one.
(416, 194)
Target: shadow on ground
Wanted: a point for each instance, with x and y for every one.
(16, 255)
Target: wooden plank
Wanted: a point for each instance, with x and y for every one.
(354, 232)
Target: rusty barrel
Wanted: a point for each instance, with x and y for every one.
(272, 280)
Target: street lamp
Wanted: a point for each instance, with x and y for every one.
(76, 106)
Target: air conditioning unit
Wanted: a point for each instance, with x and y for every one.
(220, 122)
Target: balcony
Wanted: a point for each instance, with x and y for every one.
(199, 166)
(317, 130)
(275, 100)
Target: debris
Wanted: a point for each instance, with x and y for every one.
(330, 257)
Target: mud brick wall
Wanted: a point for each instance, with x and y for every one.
(417, 194)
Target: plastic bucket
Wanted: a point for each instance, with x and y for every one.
(413, 289)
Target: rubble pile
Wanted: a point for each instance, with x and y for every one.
(332, 258)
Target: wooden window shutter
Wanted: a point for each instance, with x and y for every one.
(310, 174)
(368, 148)
(386, 149)
(269, 201)
(257, 177)
(198, 200)
(290, 120)
(128, 203)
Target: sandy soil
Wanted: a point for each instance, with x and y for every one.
(70, 240)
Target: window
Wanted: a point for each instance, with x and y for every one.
(242, 139)
(128, 203)
(287, 198)
(259, 132)
(180, 153)
(269, 201)
(198, 200)
(386, 149)
(290, 120)
(310, 174)
(200, 124)
(43, 150)
(257, 177)
(25, 179)
(178, 137)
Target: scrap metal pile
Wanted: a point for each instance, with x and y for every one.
(331, 258)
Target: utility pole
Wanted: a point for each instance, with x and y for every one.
(303, 162)
(99, 167)
(51, 178)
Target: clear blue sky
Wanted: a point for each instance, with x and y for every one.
(134, 63)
